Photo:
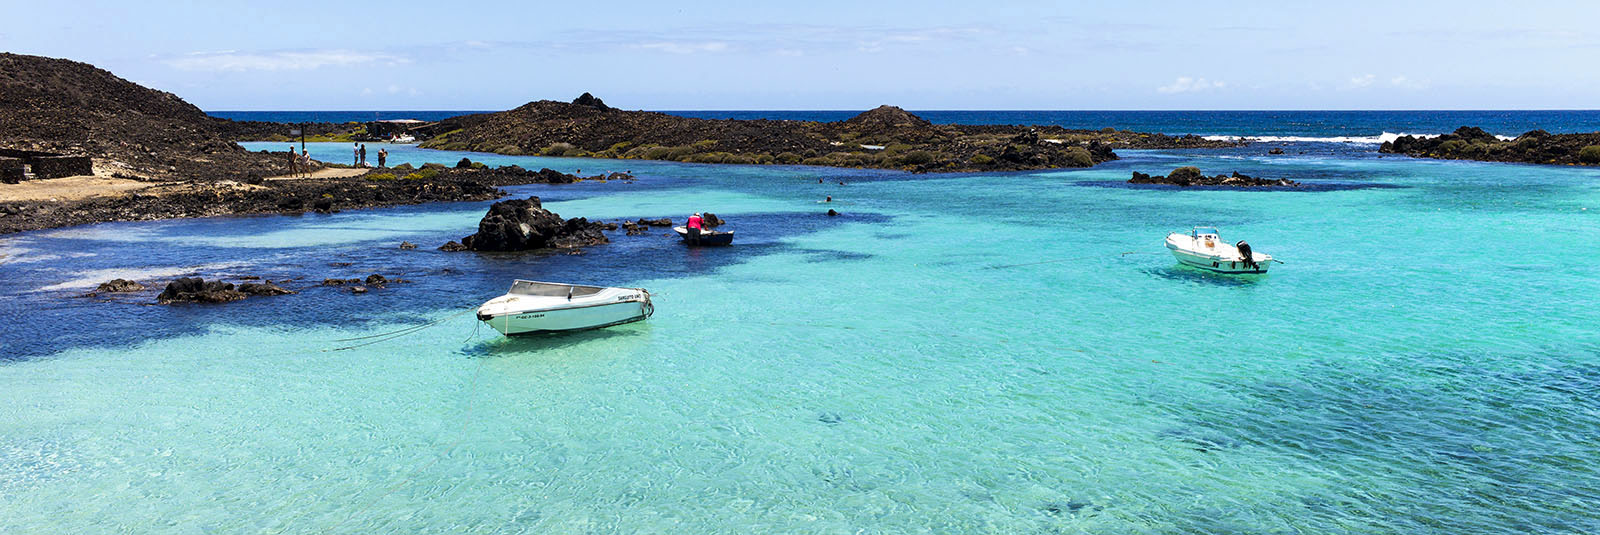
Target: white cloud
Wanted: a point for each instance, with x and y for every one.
(280, 60)
(685, 47)
(1185, 84)
(1365, 80)
(1407, 83)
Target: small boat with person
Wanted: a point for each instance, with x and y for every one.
(706, 237)
(1203, 248)
(533, 307)
(698, 231)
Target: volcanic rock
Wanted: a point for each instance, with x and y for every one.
(1191, 176)
(119, 286)
(197, 290)
(592, 101)
(524, 224)
(263, 288)
(405, 245)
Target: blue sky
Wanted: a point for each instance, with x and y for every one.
(834, 55)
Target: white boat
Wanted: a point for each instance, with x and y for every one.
(532, 307)
(1203, 248)
(405, 138)
(707, 237)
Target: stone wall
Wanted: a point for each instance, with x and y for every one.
(62, 166)
(11, 170)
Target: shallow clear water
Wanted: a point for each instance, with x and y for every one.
(1425, 361)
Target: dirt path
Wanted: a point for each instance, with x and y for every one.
(327, 172)
(72, 188)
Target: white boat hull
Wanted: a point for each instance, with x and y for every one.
(536, 307)
(568, 319)
(1214, 257)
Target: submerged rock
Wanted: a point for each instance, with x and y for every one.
(358, 289)
(452, 246)
(524, 224)
(376, 280)
(1191, 176)
(832, 212)
(405, 245)
(119, 286)
(663, 222)
(197, 290)
(263, 288)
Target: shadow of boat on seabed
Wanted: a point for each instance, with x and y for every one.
(1196, 276)
(491, 344)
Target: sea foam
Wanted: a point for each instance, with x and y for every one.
(1365, 140)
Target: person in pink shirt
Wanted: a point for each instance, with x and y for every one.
(694, 226)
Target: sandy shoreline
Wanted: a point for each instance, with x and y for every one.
(72, 188)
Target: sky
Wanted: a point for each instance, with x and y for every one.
(820, 54)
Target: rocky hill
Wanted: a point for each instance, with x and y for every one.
(884, 137)
(1473, 143)
(63, 106)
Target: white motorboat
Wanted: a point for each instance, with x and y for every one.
(1203, 248)
(543, 307)
(403, 139)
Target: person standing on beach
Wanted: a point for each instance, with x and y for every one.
(355, 153)
(361, 158)
(383, 156)
(294, 162)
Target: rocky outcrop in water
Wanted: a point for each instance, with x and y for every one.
(263, 288)
(119, 286)
(524, 224)
(197, 290)
(1191, 176)
(1473, 143)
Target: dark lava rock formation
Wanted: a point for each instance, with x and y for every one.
(197, 290)
(884, 137)
(1191, 176)
(1473, 143)
(63, 106)
(119, 286)
(524, 224)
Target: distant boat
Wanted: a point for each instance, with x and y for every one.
(1203, 248)
(532, 307)
(406, 138)
(707, 237)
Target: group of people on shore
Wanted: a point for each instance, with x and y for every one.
(300, 163)
(359, 152)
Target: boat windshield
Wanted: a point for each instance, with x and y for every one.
(549, 289)
(1206, 231)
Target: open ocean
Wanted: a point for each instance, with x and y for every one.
(1004, 353)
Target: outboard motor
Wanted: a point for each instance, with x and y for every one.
(1244, 251)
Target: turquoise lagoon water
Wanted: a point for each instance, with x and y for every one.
(1426, 360)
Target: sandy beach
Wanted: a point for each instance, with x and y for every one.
(73, 188)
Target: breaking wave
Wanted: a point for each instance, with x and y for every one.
(1366, 140)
